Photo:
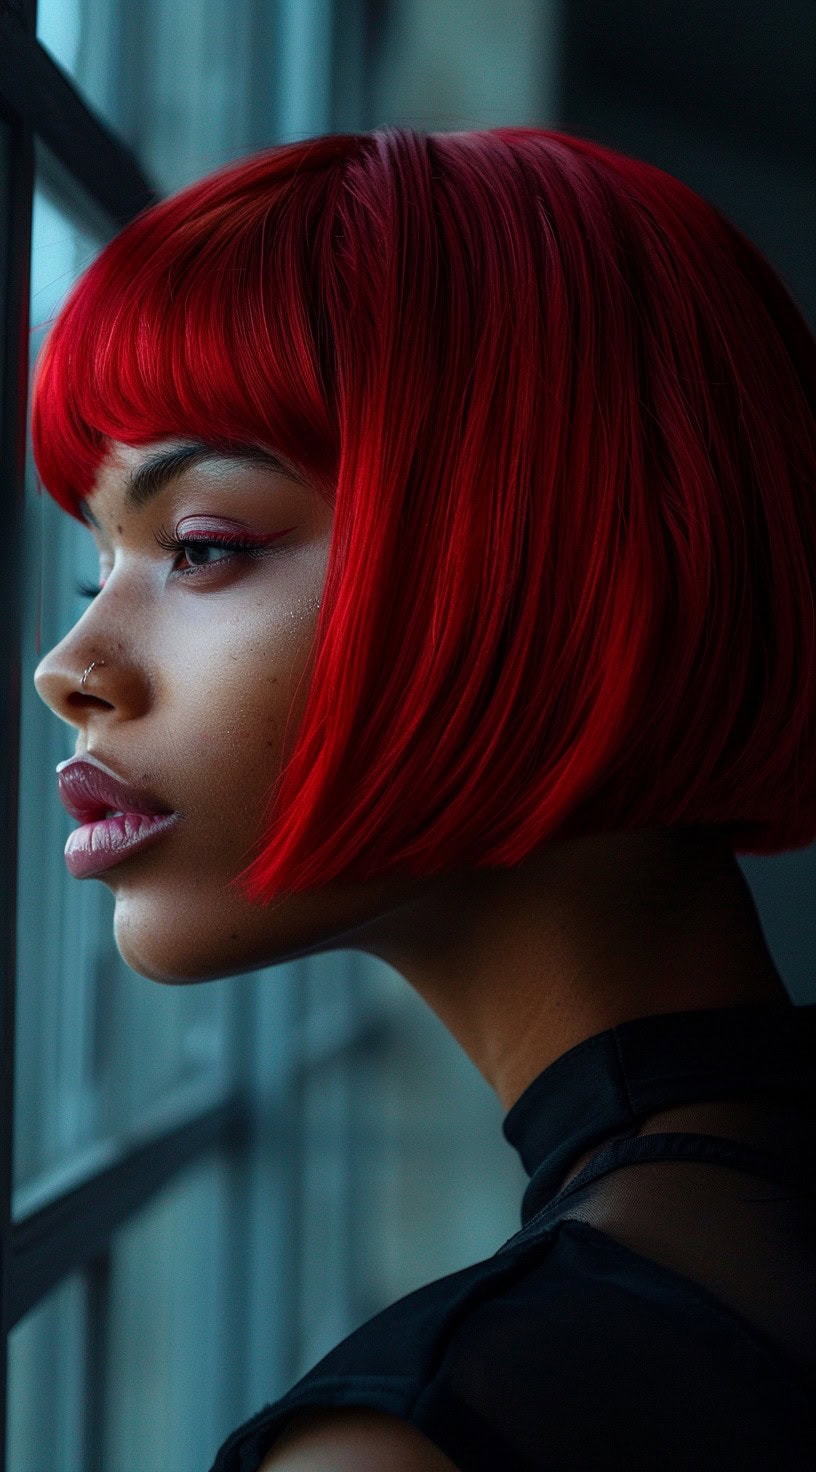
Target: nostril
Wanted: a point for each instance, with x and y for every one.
(81, 698)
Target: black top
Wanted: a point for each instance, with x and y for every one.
(657, 1312)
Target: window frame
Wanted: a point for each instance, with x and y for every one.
(73, 1231)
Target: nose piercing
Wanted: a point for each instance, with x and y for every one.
(88, 671)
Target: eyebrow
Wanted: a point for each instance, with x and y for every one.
(160, 469)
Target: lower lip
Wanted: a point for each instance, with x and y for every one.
(100, 845)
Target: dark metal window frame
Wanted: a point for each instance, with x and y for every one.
(73, 1232)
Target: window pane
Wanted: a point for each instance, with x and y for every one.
(85, 38)
(46, 1382)
(145, 1366)
(178, 80)
(331, 1216)
(100, 1051)
(174, 1345)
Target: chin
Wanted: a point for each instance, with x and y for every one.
(170, 965)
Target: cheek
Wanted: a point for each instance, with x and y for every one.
(285, 674)
(257, 711)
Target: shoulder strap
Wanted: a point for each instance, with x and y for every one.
(797, 1174)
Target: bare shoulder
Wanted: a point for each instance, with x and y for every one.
(353, 1439)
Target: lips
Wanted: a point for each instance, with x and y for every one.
(88, 791)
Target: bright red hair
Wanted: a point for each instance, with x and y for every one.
(566, 415)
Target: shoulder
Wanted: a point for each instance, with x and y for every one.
(353, 1439)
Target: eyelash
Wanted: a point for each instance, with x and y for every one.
(181, 544)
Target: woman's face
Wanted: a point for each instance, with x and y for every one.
(196, 696)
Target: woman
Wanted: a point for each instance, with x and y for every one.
(454, 497)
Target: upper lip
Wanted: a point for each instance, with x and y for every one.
(89, 790)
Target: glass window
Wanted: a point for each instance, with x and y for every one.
(139, 1360)
(85, 38)
(100, 1051)
(179, 81)
(47, 1362)
(173, 1344)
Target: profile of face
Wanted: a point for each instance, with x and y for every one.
(202, 659)
(201, 677)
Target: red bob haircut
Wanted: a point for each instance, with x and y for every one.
(565, 413)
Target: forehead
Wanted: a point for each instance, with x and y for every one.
(116, 469)
(121, 459)
(131, 476)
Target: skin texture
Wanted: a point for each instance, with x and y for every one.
(197, 695)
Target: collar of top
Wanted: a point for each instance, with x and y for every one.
(612, 1081)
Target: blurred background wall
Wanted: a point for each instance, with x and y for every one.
(376, 1161)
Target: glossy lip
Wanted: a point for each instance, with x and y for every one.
(88, 790)
(98, 846)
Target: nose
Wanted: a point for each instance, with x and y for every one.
(58, 680)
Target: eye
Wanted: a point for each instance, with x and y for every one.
(86, 590)
(198, 545)
(235, 546)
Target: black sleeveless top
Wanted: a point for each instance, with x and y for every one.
(659, 1311)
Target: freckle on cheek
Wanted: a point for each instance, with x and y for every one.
(301, 610)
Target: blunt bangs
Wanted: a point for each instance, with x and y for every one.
(565, 413)
(197, 319)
